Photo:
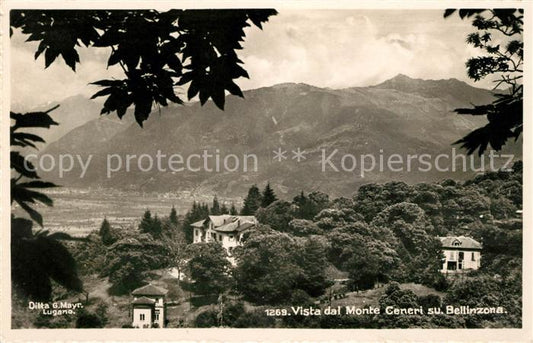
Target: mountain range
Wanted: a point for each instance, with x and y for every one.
(399, 116)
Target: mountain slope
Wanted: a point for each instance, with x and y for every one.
(72, 112)
(400, 116)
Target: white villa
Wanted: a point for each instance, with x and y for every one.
(226, 229)
(461, 254)
(148, 307)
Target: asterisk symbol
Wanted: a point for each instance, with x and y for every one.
(279, 155)
(298, 155)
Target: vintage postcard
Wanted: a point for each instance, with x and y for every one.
(266, 171)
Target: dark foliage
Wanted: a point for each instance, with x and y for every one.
(252, 201)
(272, 265)
(208, 268)
(22, 193)
(152, 226)
(268, 196)
(206, 319)
(173, 216)
(215, 209)
(309, 206)
(37, 258)
(499, 35)
(90, 254)
(157, 51)
(128, 260)
(196, 213)
(277, 215)
(89, 320)
(254, 319)
(106, 233)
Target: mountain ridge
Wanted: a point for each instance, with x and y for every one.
(410, 118)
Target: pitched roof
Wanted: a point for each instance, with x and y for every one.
(219, 220)
(149, 290)
(461, 242)
(235, 226)
(143, 301)
(228, 222)
(224, 219)
(199, 223)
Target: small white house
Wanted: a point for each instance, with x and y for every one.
(148, 307)
(225, 229)
(460, 254)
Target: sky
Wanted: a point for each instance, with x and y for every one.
(324, 48)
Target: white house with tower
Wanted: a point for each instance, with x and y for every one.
(148, 307)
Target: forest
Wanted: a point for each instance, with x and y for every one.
(384, 237)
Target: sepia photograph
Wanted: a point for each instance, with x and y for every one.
(272, 167)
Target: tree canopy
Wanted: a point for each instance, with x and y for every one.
(499, 35)
(158, 51)
(159, 54)
(208, 268)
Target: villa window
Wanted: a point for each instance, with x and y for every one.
(230, 237)
(141, 316)
(156, 315)
(473, 256)
(220, 237)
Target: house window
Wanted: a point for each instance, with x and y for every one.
(141, 316)
(156, 315)
(456, 243)
(473, 256)
(230, 237)
(461, 256)
(452, 265)
(220, 238)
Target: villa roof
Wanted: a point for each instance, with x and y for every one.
(221, 222)
(228, 218)
(143, 301)
(199, 223)
(235, 226)
(461, 242)
(149, 290)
